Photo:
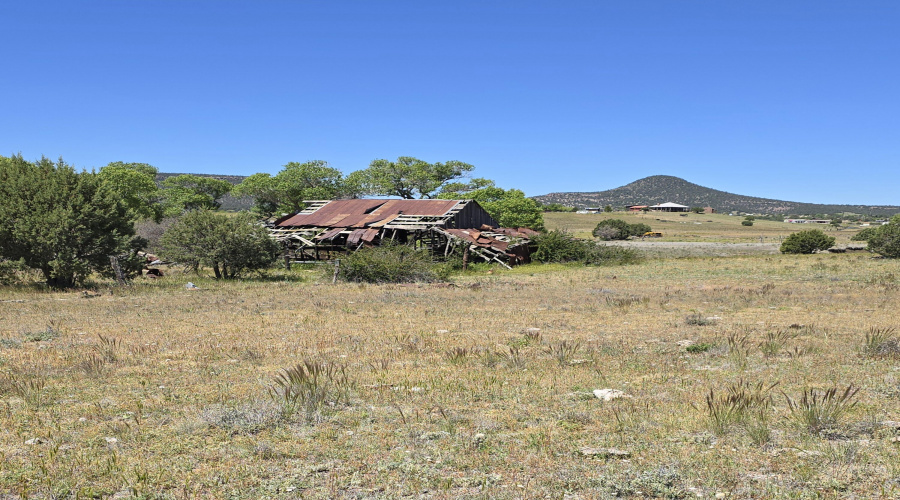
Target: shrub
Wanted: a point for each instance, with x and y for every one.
(15, 271)
(230, 245)
(617, 229)
(60, 221)
(805, 242)
(560, 246)
(391, 264)
(886, 239)
(746, 222)
(865, 234)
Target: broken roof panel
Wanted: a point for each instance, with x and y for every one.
(362, 213)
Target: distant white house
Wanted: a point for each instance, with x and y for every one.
(808, 221)
(670, 207)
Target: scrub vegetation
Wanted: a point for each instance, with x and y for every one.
(748, 376)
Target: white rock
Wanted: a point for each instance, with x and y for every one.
(609, 394)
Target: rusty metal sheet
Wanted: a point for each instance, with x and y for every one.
(370, 235)
(417, 207)
(331, 233)
(354, 237)
(361, 212)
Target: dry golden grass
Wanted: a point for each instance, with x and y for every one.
(483, 389)
(695, 227)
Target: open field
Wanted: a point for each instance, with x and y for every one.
(694, 227)
(483, 389)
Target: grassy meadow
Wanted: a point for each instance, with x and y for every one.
(482, 388)
(695, 227)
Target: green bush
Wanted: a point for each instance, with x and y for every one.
(60, 221)
(865, 234)
(230, 245)
(560, 246)
(617, 229)
(886, 240)
(809, 241)
(15, 271)
(391, 264)
(746, 222)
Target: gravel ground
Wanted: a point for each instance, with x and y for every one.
(697, 249)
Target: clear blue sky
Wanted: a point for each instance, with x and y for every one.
(796, 100)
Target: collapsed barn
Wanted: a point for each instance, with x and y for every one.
(327, 229)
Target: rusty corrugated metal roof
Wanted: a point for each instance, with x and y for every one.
(363, 213)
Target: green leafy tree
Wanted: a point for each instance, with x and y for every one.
(408, 177)
(746, 222)
(57, 220)
(296, 182)
(509, 207)
(135, 185)
(230, 245)
(193, 192)
(608, 209)
(805, 242)
(886, 239)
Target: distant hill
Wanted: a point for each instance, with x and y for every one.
(662, 188)
(228, 202)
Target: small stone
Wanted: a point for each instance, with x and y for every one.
(111, 441)
(479, 439)
(721, 495)
(609, 394)
(34, 441)
(604, 452)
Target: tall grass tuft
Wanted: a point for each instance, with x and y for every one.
(564, 351)
(816, 412)
(881, 343)
(742, 403)
(30, 388)
(773, 343)
(310, 386)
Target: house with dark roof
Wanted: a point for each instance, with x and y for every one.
(326, 229)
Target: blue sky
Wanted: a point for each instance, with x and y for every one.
(791, 100)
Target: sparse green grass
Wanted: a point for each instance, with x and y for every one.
(468, 391)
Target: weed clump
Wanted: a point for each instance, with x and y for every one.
(818, 411)
(699, 348)
(391, 264)
(310, 386)
(698, 319)
(742, 403)
(881, 343)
